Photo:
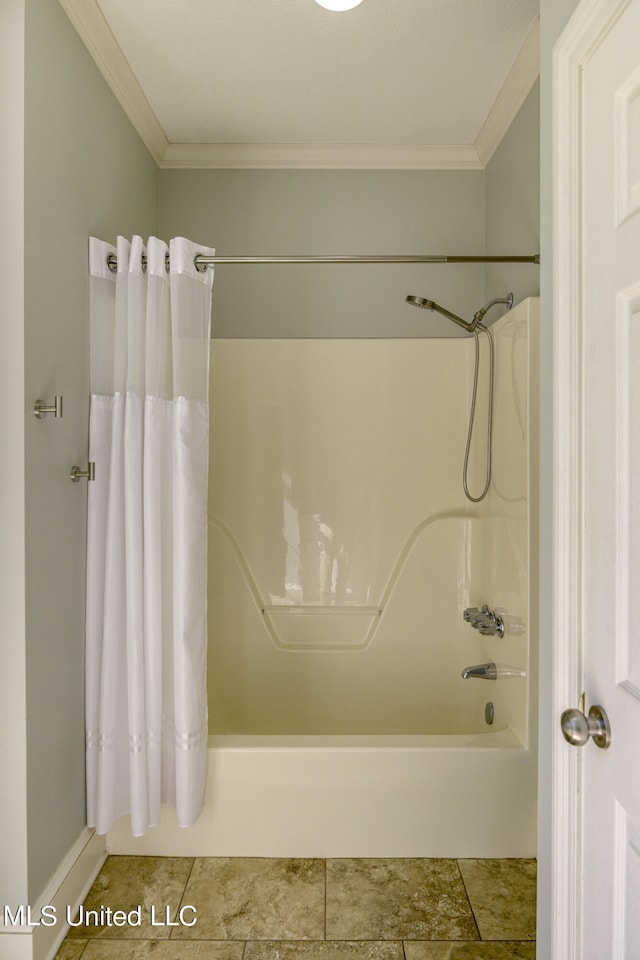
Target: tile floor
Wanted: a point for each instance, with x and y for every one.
(307, 909)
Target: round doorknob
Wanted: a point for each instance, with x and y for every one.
(577, 729)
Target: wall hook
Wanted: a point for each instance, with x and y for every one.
(41, 409)
(77, 474)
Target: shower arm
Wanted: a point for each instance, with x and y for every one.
(479, 316)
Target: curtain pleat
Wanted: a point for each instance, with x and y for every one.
(146, 707)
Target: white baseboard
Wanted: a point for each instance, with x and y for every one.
(67, 889)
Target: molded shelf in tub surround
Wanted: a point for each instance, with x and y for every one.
(311, 609)
(315, 627)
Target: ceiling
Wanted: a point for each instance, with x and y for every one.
(285, 83)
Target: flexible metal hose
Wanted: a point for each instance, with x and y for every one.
(479, 326)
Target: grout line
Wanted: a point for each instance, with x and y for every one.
(466, 892)
(184, 893)
(325, 898)
(226, 940)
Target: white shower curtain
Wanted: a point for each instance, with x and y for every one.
(146, 704)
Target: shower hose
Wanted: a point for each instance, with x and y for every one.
(472, 413)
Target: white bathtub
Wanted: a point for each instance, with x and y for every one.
(440, 783)
(399, 796)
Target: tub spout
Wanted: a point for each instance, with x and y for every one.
(482, 671)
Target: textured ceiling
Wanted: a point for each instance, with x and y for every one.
(410, 72)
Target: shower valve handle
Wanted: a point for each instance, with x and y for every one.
(485, 621)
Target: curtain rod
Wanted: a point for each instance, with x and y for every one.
(202, 262)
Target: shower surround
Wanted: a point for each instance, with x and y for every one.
(342, 554)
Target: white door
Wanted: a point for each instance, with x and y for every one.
(600, 414)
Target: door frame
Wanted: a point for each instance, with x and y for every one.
(584, 32)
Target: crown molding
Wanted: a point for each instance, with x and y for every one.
(94, 31)
(520, 79)
(320, 156)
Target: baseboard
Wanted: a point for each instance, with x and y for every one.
(66, 891)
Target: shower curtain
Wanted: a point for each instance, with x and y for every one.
(146, 709)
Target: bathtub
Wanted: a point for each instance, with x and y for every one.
(388, 658)
(363, 796)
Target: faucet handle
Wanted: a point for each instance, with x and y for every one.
(485, 621)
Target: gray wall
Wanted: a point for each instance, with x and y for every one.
(13, 810)
(86, 172)
(322, 212)
(251, 212)
(512, 180)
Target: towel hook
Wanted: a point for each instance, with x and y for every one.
(41, 409)
(77, 474)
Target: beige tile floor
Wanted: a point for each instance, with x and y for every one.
(308, 909)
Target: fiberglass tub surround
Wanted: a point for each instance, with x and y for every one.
(342, 550)
(318, 529)
(342, 555)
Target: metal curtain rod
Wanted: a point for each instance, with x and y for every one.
(202, 262)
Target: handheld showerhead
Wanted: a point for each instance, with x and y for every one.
(431, 305)
(420, 302)
(473, 327)
(477, 317)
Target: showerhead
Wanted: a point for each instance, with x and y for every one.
(431, 305)
(420, 302)
(477, 318)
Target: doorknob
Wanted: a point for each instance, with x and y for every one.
(576, 728)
